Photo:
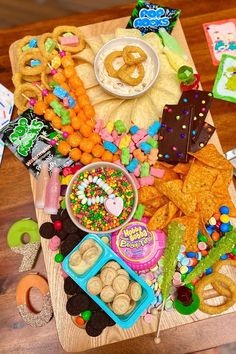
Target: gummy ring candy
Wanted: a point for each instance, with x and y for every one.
(23, 302)
(129, 58)
(216, 278)
(58, 31)
(217, 266)
(25, 57)
(28, 250)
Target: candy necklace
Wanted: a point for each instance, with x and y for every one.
(98, 199)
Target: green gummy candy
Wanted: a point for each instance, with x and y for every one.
(119, 127)
(18, 229)
(145, 169)
(152, 142)
(125, 156)
(63, 204)
(50, 44)
(65, 117)
(224, 245)
(139, 212)
(56, 107)
(53, 84)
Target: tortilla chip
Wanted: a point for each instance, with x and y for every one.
(107, 37)
(182, 168)
(123, 112)
(210, 156)
(146, 193)
(206, 205)
(184, 201)
(149, 211)
(154, 41)
(86, 55)
(199, 178)
(157, 202)
(191, 224)
(168, 175)
(95, 44)
(86, 73)
(162, 217)
(127, 32)
(104, 109)
(221, 195)
(97, 95)
(144, 112)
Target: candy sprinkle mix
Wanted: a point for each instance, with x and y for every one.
(89, 192)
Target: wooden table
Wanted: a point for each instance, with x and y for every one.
(16, 201)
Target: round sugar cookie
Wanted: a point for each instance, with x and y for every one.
(75, 258)
(135, 291)
(87, 244)
(91, 255)
(107, 294)
(120, 284)
(121, 304)
(107, 275)
(94, 285)
(112, 264)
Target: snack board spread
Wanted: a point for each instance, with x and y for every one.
(187, 200)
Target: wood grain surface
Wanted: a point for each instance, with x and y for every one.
(16, 201)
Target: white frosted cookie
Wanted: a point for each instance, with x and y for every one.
(120, 284)
(107, 275)
(121, 304)
(94, 285)
(107, 294)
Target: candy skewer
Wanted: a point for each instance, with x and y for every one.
(31, 101)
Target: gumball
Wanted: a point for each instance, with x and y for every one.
(65, 135)
(45, 92)
(57, 225)
(75, 154)
(53, 142)
(86, 315)
(59, 258)
(32, 102)
(79, 321)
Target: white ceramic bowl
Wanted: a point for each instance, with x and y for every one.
(90, 167)
(124, 41)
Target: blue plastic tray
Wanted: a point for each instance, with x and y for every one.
(124, 321)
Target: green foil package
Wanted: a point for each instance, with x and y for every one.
(148, 17)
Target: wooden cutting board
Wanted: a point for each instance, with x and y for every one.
(71, 337)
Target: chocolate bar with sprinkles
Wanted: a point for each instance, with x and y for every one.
(175, 133)
(205, 134)
(201, 100)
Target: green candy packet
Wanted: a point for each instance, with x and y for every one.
(225, 81)
(148, 17)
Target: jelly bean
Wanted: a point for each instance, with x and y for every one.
(209, 230)
(212, 221)
(209, 271)
(177, 276)
(225, 256)
(202, 246)
(194, 262)
(224, 209)
(216, 216)
(224, 227)
(182, 248)
(184, 261)
(190, 268)
(199, 256)
(191, 254)
(234, 251)
(183, 269)
(204, 253)
(59, 258)
(215, 236)
(224, 218)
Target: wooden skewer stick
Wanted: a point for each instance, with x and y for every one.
(26, 97)
(50, 66)
(39, 87)
(157, 339)
(45, 138)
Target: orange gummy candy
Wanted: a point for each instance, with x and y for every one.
(86, 158)
(69, 71)
(72, 113)
(49, 114)
(40, 107)
(107, 156)
(75, 154)
(74, 139)
(86, 145)
(95, 137)
(83, 100)
(65, 86)
(96, 159)
(63, 148)
(89, 111)
(98, 150)
(86, 130)
(116, 157)
(51, 97)
(59, 78)
(56, 122)
(67, 61)
(75, 82)
(77, 108)
(68, 129)
(80, 91)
